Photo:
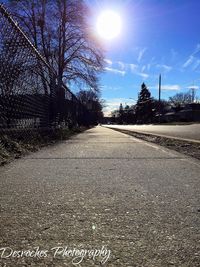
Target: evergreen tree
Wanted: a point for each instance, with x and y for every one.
(144, 107)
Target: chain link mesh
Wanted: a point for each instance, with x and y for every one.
(29, 98)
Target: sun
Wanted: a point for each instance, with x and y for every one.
(109, 24)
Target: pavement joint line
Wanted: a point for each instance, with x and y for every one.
(101, 142)
(106, 143)
(166, 150)
(192, 160)
(83, 139)
(100, 158)
(147, 143)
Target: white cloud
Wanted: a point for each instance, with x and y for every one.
(144, 68)
(195, 87)
(122, 65)
(143, 75)
(133, 67)
(108, 61)
(165, 68)
(134, 70)
(141, 54)
(167, 87)
(171, 87)
(127, 66)
(110, 88)
(113, 104)
(116, 71)
(188, 62)
(197, 50)
(148, 66)
(193, 61)
(196, 64)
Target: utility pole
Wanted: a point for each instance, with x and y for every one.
(193, 93)
(159, 98)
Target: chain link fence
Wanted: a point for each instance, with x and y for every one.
(30, 100)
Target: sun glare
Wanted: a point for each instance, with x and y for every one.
(109, 24)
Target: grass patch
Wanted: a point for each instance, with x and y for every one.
(13, 146)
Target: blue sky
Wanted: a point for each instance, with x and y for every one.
(158, 36)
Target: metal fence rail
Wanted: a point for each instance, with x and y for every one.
(29, 97)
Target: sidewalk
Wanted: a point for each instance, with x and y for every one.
(102, 190)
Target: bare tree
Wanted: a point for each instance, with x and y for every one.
(181, 99)
(93, 103)
(59, 30)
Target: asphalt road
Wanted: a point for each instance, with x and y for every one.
(190, 132)
(101, 190)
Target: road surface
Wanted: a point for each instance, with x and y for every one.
(188, 132)
(101, 190)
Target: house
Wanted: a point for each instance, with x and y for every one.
(186, 113)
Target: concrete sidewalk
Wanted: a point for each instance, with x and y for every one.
(101, 190)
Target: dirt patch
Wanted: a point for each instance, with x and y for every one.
(188, 148)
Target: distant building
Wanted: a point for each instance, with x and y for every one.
(187, 113)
